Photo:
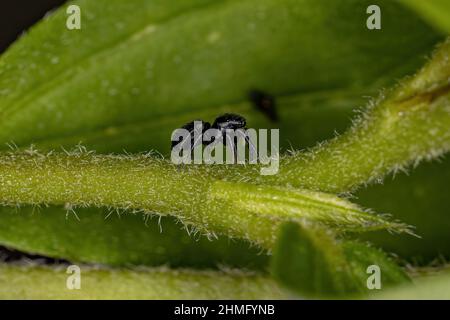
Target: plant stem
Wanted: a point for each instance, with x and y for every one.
(151, 185)
(37, 282)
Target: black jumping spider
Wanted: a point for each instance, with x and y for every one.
(227, 121)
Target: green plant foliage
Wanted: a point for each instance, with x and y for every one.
(436, 12)
(28, 282)
(403, 127)
(310, 108)
(129, 72)
(312, 263)
(119, 238)
(361, 255)
(139, 69)
(435, 287)
(419, 199)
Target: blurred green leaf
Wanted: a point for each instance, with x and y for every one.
(361, 255)
(419, 198)
(312, 263)
(38, 282)
(137, 70)
(435, 287)
(436, 12)
(404, 126)
(119, 238)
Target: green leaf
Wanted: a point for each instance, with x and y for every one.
(419, 198)
(38, 282)
(403, 127)
(114, 81)
(312, 263)
(119, 238)
(436, 12)
(361, 255)
(277, 203)
(435, 287)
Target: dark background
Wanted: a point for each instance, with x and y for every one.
(18, 15)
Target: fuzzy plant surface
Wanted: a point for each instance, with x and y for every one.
(44, 282)
(121, 238)
(313, 263)
(145, 184)
(112, 93)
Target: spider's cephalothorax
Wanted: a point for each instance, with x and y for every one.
(227, 121)
(230, 121)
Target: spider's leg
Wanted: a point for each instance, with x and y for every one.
(251, 146)
(233, 146)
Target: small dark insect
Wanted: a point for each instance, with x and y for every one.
(264, 103)
(229, 121)
(222, 123)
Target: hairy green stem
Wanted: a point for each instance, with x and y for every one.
(143, 183)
